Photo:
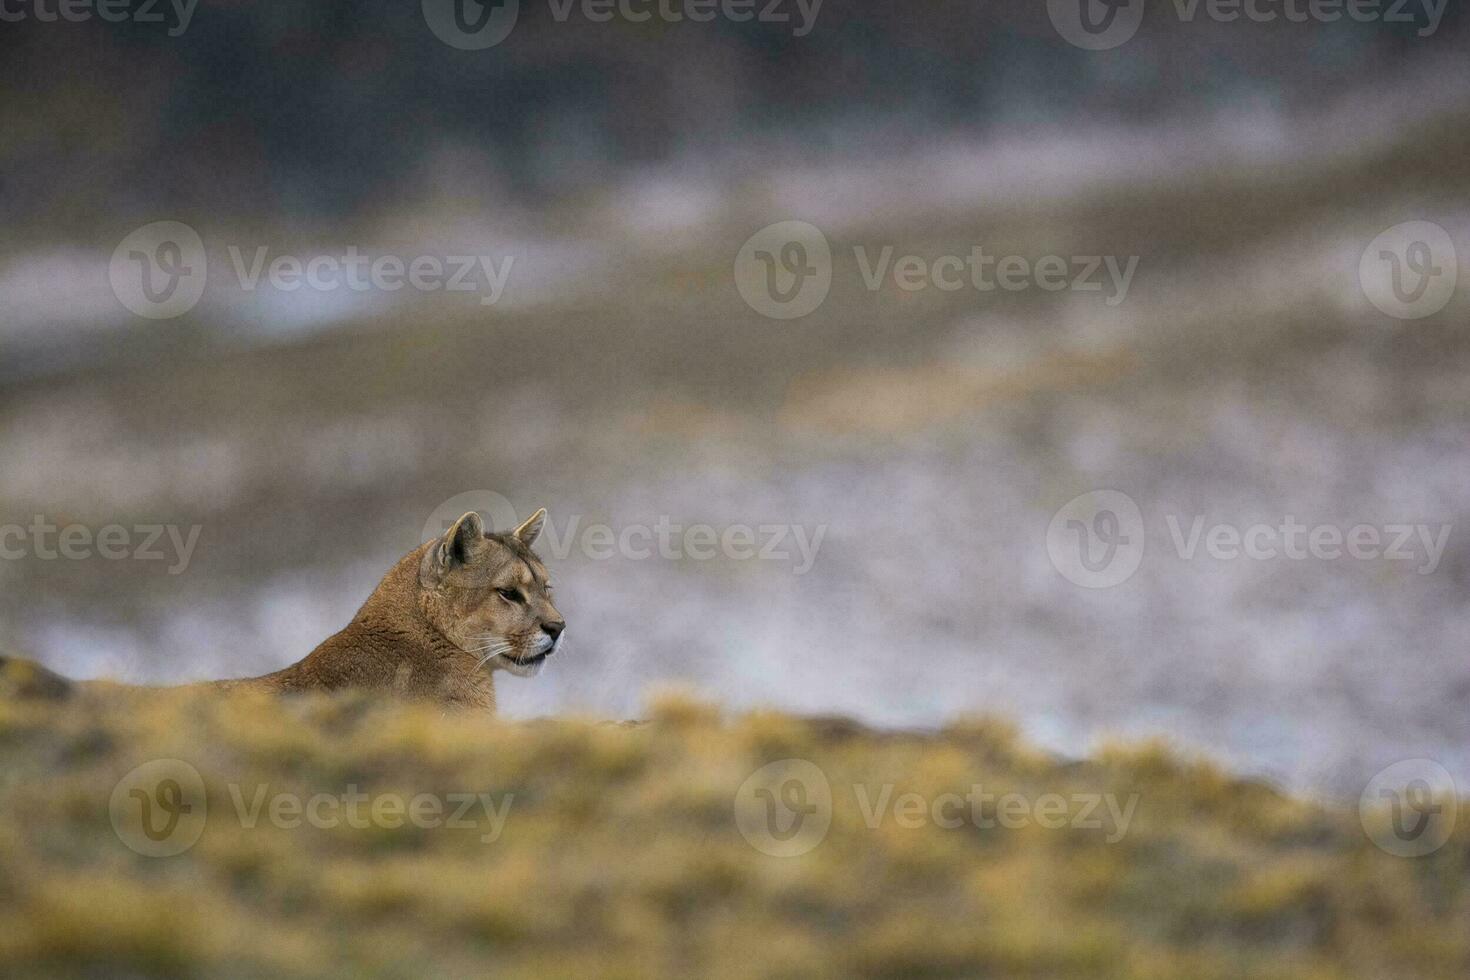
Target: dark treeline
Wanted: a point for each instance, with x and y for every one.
(333, 110)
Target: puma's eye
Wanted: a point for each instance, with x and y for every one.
(510, 595)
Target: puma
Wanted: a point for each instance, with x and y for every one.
(445, 618)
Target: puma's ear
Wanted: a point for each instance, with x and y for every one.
(459, 541)
(529, 531)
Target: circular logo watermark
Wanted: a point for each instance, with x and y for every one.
(471, 25)
(784, 809)
(1096, 25)
(1410, 271)
(159, 808)
(784, 271)
(1097, 539)
(496, 511)
(160, 270)
(1409, 809)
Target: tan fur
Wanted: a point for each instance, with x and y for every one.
(444, 618)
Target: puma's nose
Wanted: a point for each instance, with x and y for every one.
(553, 629)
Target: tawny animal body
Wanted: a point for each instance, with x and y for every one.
(390, 645)
(444, 619)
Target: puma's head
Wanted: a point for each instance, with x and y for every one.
(489, 595)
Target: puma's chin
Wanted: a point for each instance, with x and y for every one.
(527, 667)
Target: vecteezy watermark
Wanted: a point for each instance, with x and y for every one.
(43, 540)
(176, 14)
(357, 272)
(360, 811)
(664, 538)
(1410, 808)
(1097, 540)
(474, 25)
(471, 25)
(1099, 25)
(784, 271)
(1096, 25)
(800, 14)
(1411, 270)
(1420, 543)
(1011, 273)
(784, 809)
(160, 809)
(160, 271)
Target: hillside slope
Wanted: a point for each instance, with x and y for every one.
(586, 849)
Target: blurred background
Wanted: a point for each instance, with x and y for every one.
(615, 182)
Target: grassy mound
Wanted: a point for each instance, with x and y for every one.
(333, 837)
